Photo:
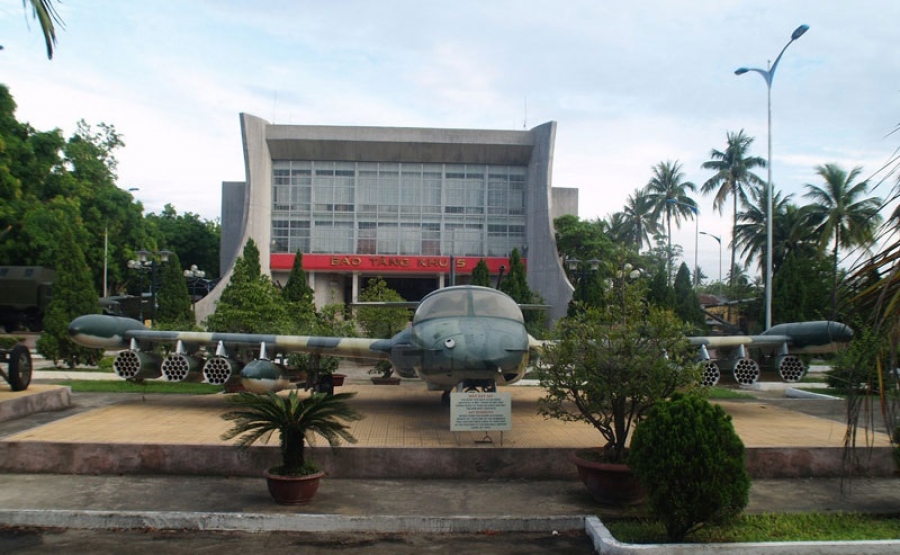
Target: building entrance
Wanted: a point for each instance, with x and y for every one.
(410, 288)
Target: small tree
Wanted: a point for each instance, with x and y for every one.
(481, 274)
(515, 283)
(613, 362)
(73, 296)
(173, 301)
(251, 303)
(687, 305)
(381, 322)
(691, 461)
(297, 289)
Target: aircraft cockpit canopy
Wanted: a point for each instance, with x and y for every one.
(471, 301)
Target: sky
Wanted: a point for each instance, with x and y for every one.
(630, 85)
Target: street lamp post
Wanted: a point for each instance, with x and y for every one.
(768, 75)
(576, 267)
(696, 212)
(719, 241)
(194, 275)
(148, 262)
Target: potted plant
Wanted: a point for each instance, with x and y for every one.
(609, 364)
(295, 420)
(384, 371)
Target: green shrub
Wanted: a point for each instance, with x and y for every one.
(855, 367)
(689, 458)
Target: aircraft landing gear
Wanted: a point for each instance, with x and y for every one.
(483, 386)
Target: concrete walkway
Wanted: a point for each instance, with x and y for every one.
(402, 421)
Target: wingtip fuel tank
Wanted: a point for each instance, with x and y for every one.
(100, 331)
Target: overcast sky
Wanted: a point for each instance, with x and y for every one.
(630, 84)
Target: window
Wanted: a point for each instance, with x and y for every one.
(382, 207)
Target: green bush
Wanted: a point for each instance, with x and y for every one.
(855, 367)
(689, 458)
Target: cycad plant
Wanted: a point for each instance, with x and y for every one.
(295, 420)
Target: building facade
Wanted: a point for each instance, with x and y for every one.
(416, 207)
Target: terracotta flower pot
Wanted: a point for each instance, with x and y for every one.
(609, 483)
(293, 490)
(381, 380)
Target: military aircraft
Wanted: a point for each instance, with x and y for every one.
(460, 336)
(468, 335)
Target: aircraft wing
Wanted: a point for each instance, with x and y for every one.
(799, 337)
(731, 341)
(326, 346)
(112, 332)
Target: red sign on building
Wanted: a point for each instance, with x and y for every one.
(373, 263)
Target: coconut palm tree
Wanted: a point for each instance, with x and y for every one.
(843, 214)
(47, 16)
(636, 222)
(733, 176)
(667, 192)
(792, 231)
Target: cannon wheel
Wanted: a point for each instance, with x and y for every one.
(19, 368)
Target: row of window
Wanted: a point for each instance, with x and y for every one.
(481, 208)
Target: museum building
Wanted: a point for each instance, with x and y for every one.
(417, 207)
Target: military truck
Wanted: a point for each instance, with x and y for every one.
(24, 295)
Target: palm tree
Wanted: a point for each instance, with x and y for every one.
(733, 175)
(792, 231)
(842, 212)
(46, 14)
(667, 192)
(636, 220)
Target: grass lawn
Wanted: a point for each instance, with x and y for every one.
(122, 386)
(769, 528)
(96, 369)
(719, 393)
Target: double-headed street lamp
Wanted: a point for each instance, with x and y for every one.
(576, 267)
(194, 276)
(768, 75)
(148, 262)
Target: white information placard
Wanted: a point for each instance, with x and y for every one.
(480, 412)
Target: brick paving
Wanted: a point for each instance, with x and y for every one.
(403, 416)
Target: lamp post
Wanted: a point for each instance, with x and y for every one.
(696, 212)
(194, 275)
(576, 267)
(148, 262)
(768, 75)
(719, 241)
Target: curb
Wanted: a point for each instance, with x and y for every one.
(52, 398)
(605, 543)
(259, 522)
(795, 393)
